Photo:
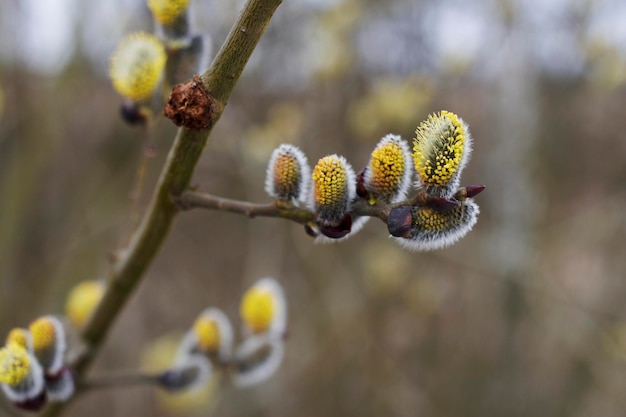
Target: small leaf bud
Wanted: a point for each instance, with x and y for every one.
(469, 191)
(400, 221)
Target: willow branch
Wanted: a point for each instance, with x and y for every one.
(128, 271)
(194, 199)
(118, 381)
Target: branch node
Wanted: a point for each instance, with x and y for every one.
(180, 202)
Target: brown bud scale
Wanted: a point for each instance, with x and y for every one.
(190, 105)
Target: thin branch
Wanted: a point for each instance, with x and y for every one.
(175, 177)
(194, 199)
(118, 381)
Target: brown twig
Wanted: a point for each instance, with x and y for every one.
(118, 381)
(194, 199)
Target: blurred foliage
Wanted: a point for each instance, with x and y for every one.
(523, 317)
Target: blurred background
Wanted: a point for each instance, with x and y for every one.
(525, 316)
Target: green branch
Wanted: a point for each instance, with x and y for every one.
(175, 177)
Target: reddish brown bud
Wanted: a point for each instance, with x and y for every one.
(400, 221)
(338, 231)
(34, 404)
(468, 192)
(360, 186)
(190, 105)
(133, 113)
(442, 204)
(475, 189)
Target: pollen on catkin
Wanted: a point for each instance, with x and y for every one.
(288, 174)
(15, 364)
(434, 229)
(441, 149)
(136, 66)
(263, 307)
(82, 301)
(21, 375)
(166, 11)
(387, 176)
(20, 336)
(334, 188)
(49, 342)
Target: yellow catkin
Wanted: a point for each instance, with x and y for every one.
(387, 167)
(329, 178)
(82, 300)
(286, 175)
(166, 11)
(207, 334)
(44, 334)
(438, 148)
(257, 309)
(137, 65)
(18, 336)
(14, 364)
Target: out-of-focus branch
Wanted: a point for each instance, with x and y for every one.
(129, 269)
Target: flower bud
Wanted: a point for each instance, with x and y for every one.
(257, 358)
(427, 228)
(441, 149)
(167, 11)
(21, 375)
(288, 174)
(82, 301)
(137, 65)
(264, 309)
(387, 176)
(49, 343)
(334, 188)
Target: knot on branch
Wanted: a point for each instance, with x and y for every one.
(190, 105)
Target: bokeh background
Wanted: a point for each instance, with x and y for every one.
(523, 317)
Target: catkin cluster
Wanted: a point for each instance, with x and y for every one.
(444, 213)
(32, 365)
(209, 343)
